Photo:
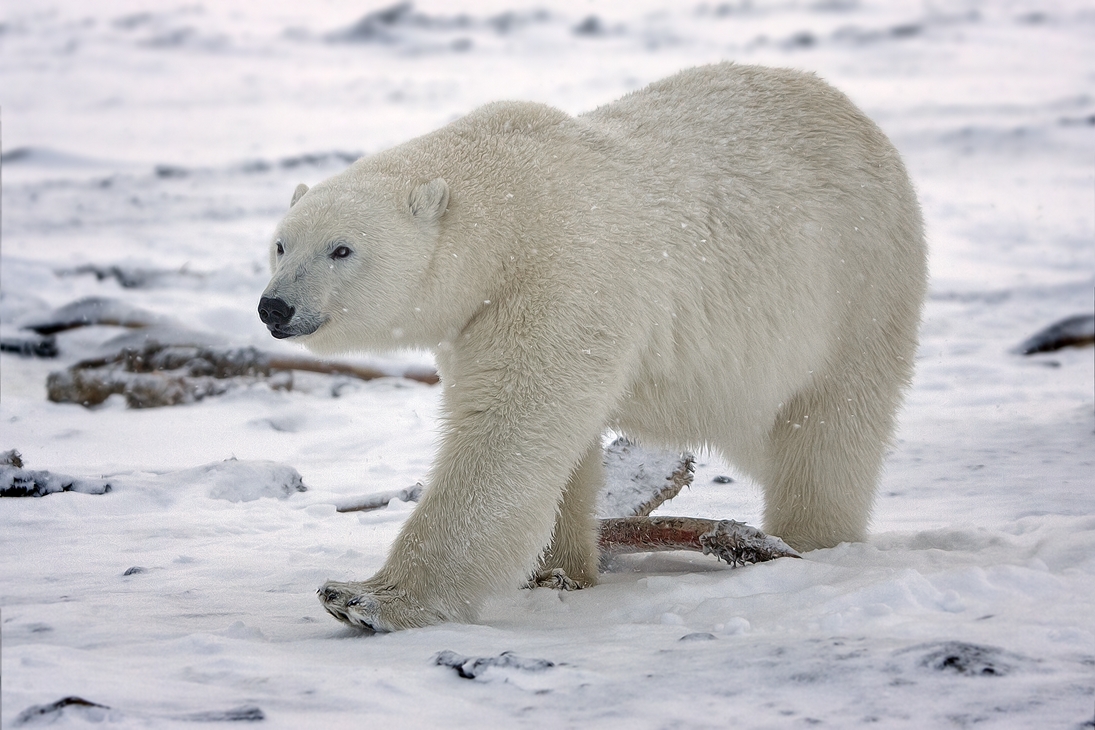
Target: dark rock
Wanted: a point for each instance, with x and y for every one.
(244, 713)
(1077, 331)
(474, 667)
(51, 713)
(698, 636)
(968, 660)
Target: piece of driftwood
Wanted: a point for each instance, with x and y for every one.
(735, 543)
(16, 481)
(165, 350)
(44, 346)
(1077, 331)
(130, 277)
(637, 481)
(166, 375)
(379, 500)
(284, 362)
(87, 712)
(162, 376)
(92, 311)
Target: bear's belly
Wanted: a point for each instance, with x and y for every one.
(723, 412)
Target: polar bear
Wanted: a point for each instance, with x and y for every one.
(731, 258)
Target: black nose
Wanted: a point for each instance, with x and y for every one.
(275, 312)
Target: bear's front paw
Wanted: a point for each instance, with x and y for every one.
(373, 607)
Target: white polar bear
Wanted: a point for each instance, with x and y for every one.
(730, 258)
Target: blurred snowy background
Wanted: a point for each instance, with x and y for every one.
(164, 140)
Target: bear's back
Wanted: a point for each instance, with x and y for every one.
(731, 119)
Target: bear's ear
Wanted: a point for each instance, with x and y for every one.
(428, 202)
(298, 194)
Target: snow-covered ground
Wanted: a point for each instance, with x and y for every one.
(170, 136)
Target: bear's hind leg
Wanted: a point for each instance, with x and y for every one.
(571, 560)
(825, 455)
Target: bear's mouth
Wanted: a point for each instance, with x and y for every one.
(284, 319)
(298, 327)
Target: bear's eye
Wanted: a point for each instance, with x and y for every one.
(341, 252)
(278, 247)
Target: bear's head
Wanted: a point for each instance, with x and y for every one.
(348, 261)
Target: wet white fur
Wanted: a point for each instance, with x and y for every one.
(730, 258)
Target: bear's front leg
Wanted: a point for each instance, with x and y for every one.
(528, 387)
(486, 515)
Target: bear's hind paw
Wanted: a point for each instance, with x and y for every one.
(556, 578)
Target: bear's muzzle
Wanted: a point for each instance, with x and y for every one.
(276, 314)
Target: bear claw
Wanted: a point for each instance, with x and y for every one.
(556, 579)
